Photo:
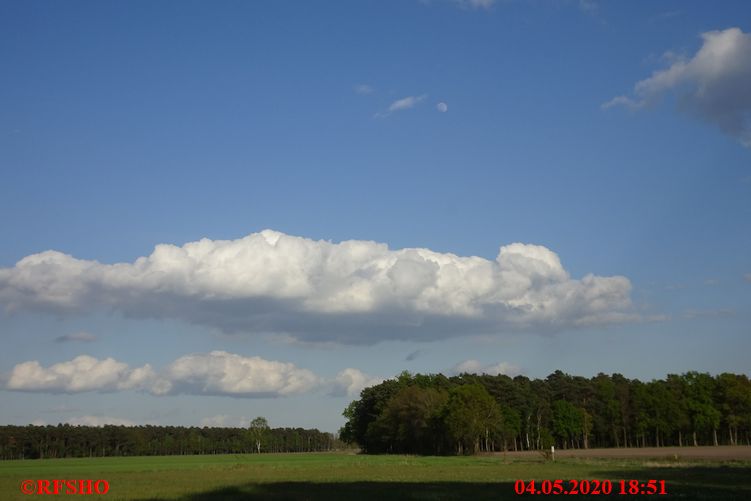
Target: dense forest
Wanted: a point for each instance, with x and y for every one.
(64, 440)
(466, 414)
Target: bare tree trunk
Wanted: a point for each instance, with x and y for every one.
(539, 422)
(696, 444)
(680, 439)
(526, 430)
(714, 436)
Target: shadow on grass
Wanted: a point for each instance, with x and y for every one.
(685, 482)
(731, 482)
(358, 491)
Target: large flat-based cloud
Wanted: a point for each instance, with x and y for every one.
(714, 84)
(355, 292)
(214, 373)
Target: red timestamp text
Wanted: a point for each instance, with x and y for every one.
(590, 487)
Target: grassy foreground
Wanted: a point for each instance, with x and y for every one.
(346, 476)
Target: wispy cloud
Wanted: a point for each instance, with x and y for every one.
(711, 313)
(475, 4)
(588, 6)
(413, 355)
(363, 89)
(663, 16)
(77, 337)
(712, 85)
(402, 104)
(406, 103)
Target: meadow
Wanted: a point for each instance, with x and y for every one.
(333, 476)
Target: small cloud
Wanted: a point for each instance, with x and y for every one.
(222, 373)
(622, 101)
(225, 421)
(364, 89)
(588, 5)
(475, 4)
(406, 103)
(99, 421)
(350, 382)
(711, 282)
(477, 367)
(442, 107)
(716, 313)
(413, 355)
(663, 16)
(78, 337)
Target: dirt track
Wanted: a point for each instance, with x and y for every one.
(725, 452)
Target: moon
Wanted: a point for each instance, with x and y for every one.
(442, 107)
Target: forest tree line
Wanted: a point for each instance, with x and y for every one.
(466, 414)
(65, 440)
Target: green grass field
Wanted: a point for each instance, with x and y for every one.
(348, 476)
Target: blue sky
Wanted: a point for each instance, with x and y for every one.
(613, 134)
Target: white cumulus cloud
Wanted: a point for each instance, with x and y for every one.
(350, 382)
(83, 373)
(222, 373)
(350, 292)
(214, 373)
(477, 367)
(714, 84)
